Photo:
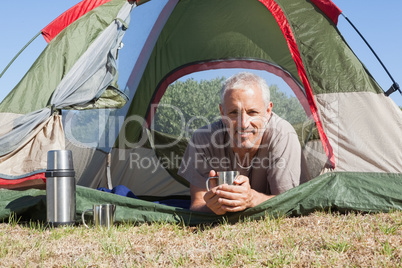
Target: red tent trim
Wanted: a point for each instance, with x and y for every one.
(37, 176)
(283, 23)
(69, 16)
(329, 8)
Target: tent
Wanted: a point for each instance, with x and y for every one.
(351, 137)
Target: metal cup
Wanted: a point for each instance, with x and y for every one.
(103, 215)
(224, 177)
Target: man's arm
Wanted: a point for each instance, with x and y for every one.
(204, 201)
(197, 199)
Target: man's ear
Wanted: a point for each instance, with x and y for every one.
(269, 108)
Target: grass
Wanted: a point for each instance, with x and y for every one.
(319, 240)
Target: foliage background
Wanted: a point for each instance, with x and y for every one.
(188, 105)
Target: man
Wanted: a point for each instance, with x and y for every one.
(249, 138)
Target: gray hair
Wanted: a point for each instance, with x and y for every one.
(244, 79)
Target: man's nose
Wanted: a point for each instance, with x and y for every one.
(244, 120)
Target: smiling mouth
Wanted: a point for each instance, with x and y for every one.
(246, 133)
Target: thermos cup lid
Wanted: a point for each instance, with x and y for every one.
(60, 160)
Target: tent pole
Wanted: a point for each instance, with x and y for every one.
(395, 85)
(16, 56)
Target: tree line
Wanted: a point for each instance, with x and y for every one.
(190, 104)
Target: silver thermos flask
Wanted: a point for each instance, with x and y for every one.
(60, 188)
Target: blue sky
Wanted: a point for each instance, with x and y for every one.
(379, 22)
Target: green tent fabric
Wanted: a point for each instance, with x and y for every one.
(345, 191)
(52, 66)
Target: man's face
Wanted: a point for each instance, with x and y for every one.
(245, 115)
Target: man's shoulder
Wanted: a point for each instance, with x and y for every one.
(206, 131)
(210, 128)
(278, 124)
(210, 136)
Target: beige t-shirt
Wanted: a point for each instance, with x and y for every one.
(277, 166)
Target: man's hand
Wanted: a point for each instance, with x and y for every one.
(236, 197)
(223, 198)
(212, 202)
(233, 198)
(211, 198)
(204, 201)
